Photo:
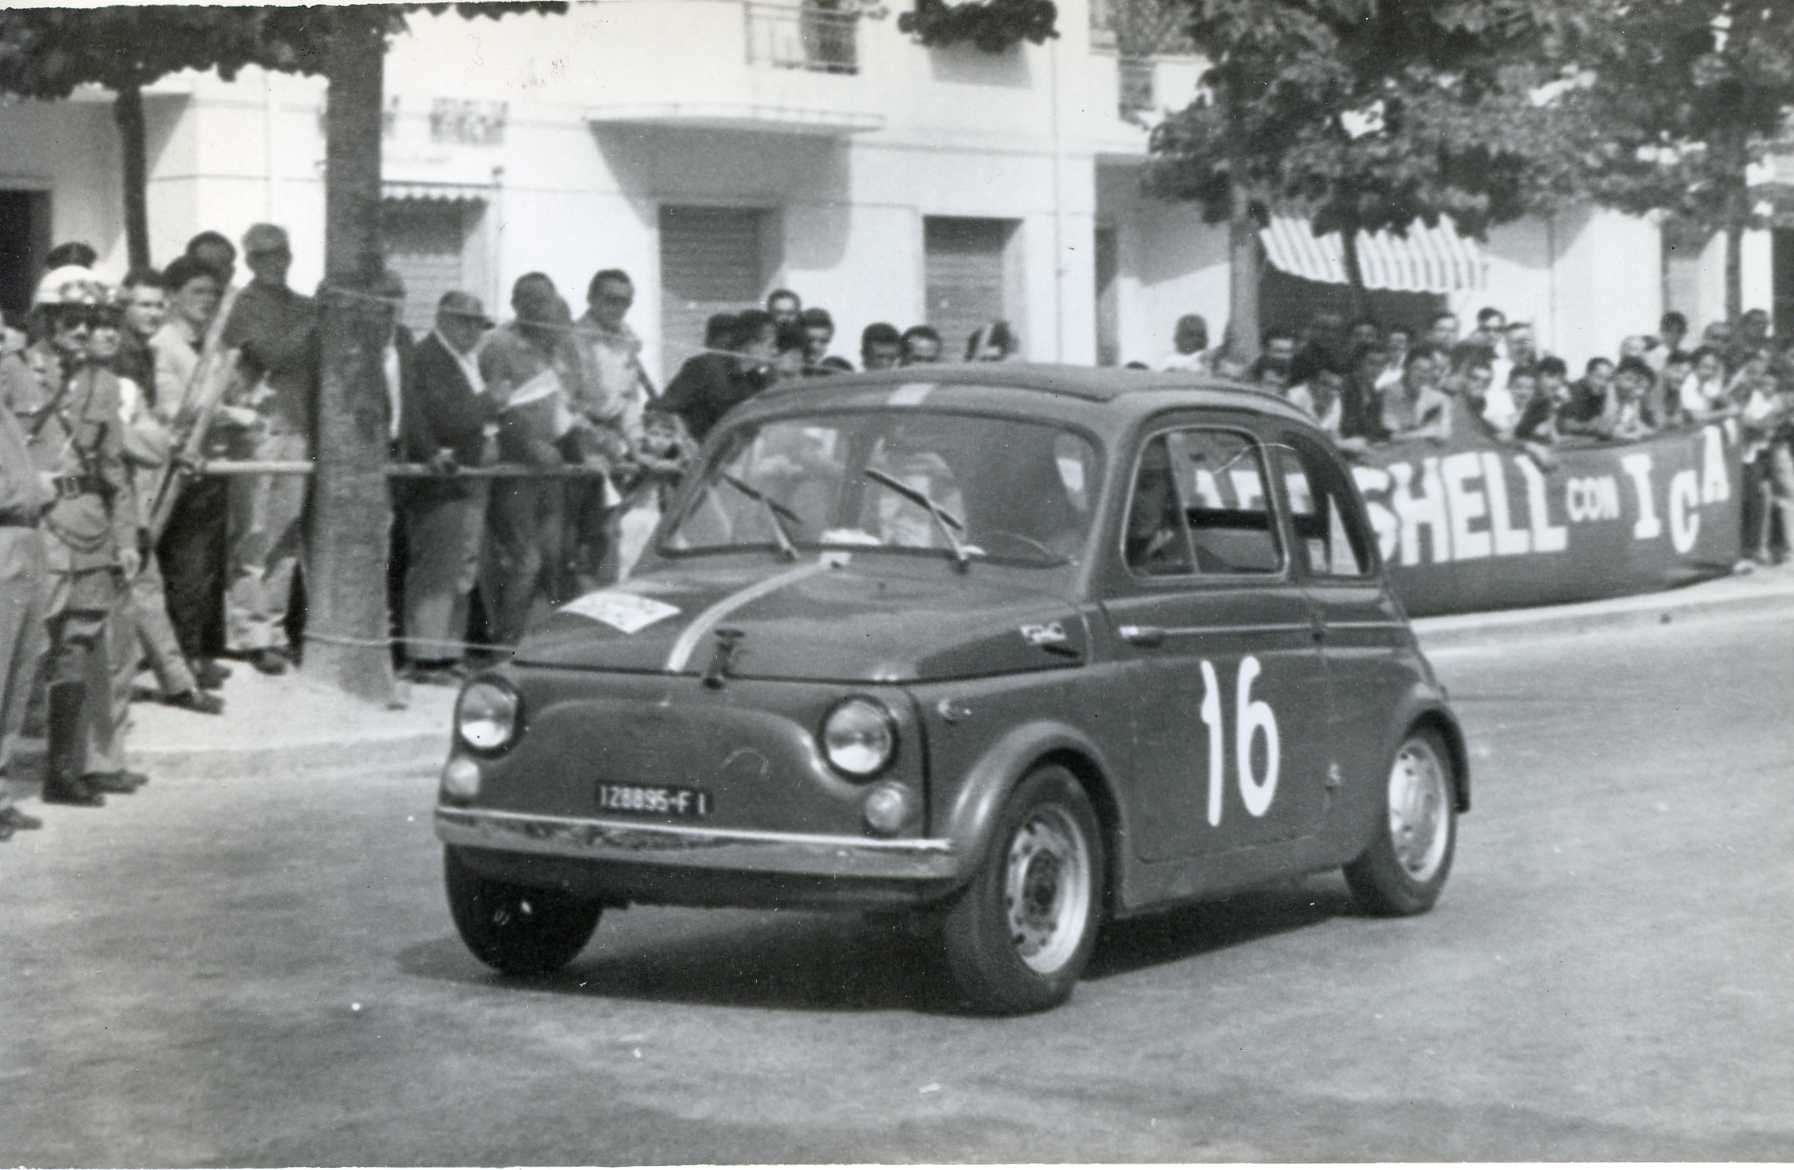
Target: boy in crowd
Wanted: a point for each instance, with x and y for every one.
(881, 346)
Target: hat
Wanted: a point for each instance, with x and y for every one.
(264, 237)
(70, 285)
(464, 305)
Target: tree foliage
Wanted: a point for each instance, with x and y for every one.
(1368, 115)
(1677, 99)
(990, 25)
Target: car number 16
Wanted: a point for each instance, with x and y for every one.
(1252, 717)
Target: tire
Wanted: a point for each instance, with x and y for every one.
(1019, 936)
(517, 930)
(1404, 868)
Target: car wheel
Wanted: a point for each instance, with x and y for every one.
(1019, 936)
(1404, 868)
(516, 929)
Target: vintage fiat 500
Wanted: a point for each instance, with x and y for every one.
(1018, 649)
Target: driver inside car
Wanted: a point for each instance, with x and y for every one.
(1157, 544)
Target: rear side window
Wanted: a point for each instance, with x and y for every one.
(1201, 506)
(1331, 540)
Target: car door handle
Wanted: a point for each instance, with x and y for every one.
(1143, 635)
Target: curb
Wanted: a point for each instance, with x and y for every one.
(381, 754)
(1651, 609)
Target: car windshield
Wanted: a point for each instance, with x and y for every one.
(970, 487)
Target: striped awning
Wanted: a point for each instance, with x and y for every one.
(436, 192)
(1428, 259)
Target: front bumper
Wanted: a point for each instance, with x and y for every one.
(680, 847)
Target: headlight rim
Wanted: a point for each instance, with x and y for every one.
(885, 714)
(503, 685)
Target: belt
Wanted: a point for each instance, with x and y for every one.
(67, 487)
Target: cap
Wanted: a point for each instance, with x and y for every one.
(466, 305)
(264, 237)
(70, 285)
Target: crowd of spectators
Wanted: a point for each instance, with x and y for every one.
(1367, 383)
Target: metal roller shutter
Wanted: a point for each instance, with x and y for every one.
(963, 272)
(710, 262)
(425, 242)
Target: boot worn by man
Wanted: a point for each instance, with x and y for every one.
(11, 818)
(123, 783)
(63, 782)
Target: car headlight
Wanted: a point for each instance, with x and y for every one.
(859, 737)
(486, 715)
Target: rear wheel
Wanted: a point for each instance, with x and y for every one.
(1020, 935)
(518, 930)
(1404, 868)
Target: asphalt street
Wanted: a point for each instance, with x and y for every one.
(261, 970)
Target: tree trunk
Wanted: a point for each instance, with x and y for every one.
(1733, 150)
(1245, 268)
(1354, 266)
(127, 112)
(351, 512)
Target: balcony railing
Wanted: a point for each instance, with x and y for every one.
(815, 35)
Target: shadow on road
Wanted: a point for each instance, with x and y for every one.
(839, 962)
(1207, 927)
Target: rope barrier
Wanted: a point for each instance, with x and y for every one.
(227, 467)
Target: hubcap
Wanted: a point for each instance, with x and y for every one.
(1046, 889)
(1418, 813)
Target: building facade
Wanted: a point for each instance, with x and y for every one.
(718, 149)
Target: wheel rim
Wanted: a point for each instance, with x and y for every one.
(1419, 815)
(1046, 889)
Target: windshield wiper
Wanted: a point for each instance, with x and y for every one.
(943, 519)
(773, 511)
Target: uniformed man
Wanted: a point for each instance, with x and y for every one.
(23, 501)
(69, 412)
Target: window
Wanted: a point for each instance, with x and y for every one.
(711, 261)
(1330, 535)
(1212, 517)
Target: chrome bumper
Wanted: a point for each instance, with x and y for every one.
(682, 847)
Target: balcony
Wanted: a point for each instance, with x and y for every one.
(791, 68)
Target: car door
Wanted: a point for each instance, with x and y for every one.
(1358, 617)
(1224, 689)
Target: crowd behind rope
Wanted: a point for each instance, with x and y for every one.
(119, 555)
(1367, 383)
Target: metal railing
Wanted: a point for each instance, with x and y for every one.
(821, 36)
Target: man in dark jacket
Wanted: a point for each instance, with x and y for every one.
(446, 421)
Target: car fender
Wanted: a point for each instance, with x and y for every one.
(971, 817)
(1425, 704)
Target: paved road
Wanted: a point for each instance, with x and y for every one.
(261, 971)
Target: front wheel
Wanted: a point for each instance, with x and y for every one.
(516, 929)
(1404, 868)
(1019, 936)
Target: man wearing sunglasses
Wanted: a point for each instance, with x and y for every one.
(275, 328)
(69, 413)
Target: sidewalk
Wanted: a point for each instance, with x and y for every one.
(274, 725)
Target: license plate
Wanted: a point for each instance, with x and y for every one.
(690, 804)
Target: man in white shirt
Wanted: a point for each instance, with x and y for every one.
(1189, 346)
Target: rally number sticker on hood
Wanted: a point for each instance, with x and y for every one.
(627, 612)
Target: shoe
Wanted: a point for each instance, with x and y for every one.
(269, 661)
(123, 783)
(452, 675)
(1743, 566)
(12, 819)
(202, 702)
(210, 673)
(77, 792)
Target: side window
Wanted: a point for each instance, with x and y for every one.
(1221, 477)
(1157, 543)
(1330, 536)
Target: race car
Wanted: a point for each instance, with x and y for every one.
(1017, 650)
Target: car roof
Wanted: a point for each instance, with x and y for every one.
(1077, 391)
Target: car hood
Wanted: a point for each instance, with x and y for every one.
(819, 620)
